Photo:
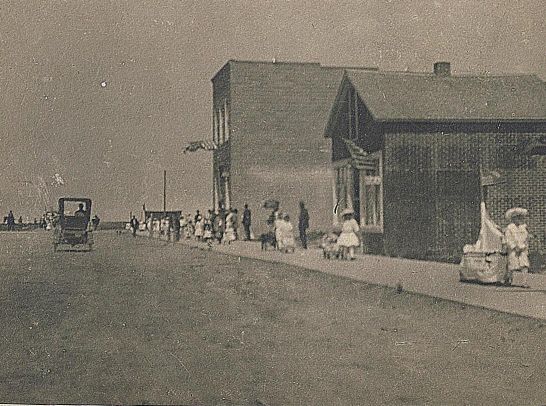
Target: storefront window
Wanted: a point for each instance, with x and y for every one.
(372, 196)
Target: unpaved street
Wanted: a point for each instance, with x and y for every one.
(141, 321)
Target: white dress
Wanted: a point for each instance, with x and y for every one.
(229, 233)
(348, 237)
(199, 227)
(287, 235)
(516, 238)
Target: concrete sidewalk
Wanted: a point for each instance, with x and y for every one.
(424, 277)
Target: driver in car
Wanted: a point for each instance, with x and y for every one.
(80, 212)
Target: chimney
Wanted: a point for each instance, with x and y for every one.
(442, 69)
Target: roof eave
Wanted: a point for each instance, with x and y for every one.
(462, 120)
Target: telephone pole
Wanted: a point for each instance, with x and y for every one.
(164, 192)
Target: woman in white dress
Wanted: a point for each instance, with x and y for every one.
(348, 239)
(288, 242)
(229, 232)
(516, 238)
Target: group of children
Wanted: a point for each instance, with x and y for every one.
(218, 226)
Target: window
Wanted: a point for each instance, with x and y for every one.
(221, 125)
(342, 197)
(371, 198)
(226, 121)
(215, 127)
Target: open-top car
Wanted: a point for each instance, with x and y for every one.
(73, 226)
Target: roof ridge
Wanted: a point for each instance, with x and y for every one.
(274, 62)
(458, 75)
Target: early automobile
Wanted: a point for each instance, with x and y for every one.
(73, 226)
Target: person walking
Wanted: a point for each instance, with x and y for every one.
(247, 221)
(11, 221)
(134, 225)
(198, 233)
(348, 239)
(516, 238)
(303, 224)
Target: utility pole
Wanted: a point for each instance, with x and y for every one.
(164, 192)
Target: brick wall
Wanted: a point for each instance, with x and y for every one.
(432, 192)
(277, 149)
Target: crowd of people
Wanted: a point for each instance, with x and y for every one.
(223, 226)
(215, 226)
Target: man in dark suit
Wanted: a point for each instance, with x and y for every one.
(303, 225)
(247, 221)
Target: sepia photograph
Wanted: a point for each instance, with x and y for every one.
(273, 202)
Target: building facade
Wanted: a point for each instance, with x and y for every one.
(268, 124)
(431, 139)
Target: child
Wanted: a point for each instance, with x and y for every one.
(348, 238)
(329, 245)
(207, 230)
(198, 233)
(517, 243)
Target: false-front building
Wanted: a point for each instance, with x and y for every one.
(431, 141)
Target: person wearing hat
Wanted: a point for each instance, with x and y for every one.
(348, 239)
(517, 244)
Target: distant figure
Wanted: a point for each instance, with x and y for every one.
(134, 225)
(218, 226)
(198, 225)
(303, 225)
(95, 222)
(20, 220)
(247, 221)
(10, 221)
(235, 222)
(285, 234)
(229, 232)
(81, 211)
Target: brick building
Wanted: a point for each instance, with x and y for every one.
(268, 123)
(430, 138)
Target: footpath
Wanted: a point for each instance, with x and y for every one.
(428, 278)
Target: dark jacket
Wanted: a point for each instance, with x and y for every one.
(303, 223)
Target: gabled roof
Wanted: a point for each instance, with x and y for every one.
(401, 96)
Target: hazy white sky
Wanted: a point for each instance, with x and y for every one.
(157, 58)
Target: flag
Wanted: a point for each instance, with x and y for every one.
(359, 158)
(490, 177)
(197, 145)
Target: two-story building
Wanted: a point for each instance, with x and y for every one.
(268, 124)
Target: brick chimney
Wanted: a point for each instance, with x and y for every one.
(442, 69)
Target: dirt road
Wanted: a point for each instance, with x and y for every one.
(140, 321)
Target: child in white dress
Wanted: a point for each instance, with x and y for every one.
(198, 233)
(348, 239)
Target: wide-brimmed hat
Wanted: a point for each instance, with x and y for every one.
(516, 211)
(347, 212)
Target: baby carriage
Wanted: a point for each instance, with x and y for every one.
(330, 249)
(485, 261)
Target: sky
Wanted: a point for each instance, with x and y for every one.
(100, 97)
